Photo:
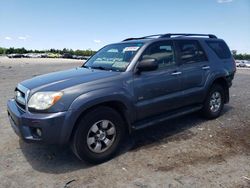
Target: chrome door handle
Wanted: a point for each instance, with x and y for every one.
(176, 73)
(206, 67)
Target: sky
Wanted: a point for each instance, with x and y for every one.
(91, 24)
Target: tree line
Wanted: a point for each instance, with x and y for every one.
(78, 52)
(87, 52)
(242, 56)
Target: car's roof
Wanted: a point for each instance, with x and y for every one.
(149, 40)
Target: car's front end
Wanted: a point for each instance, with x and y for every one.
(36, 127)
(41, 108)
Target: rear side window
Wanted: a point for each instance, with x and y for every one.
(220, 48)
(191, 51)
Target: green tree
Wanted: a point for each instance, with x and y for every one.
(234, 52)
(2, 50)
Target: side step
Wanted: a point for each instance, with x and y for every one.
(161, 118)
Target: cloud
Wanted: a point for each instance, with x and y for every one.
(25, 37)
(97, 41)
(224, 1)
(22, 38)
(7, 38)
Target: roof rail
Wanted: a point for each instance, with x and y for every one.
(145, 37)
(169, 35)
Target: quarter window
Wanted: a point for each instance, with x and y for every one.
(191, 51)
(220, 48)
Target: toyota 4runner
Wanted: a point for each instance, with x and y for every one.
(124, 87)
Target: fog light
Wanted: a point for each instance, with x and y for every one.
(39, 132)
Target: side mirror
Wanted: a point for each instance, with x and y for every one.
(147, 65)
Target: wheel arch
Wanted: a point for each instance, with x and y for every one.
(116, 105)
(222, 81)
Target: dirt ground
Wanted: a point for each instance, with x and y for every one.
(185, 152)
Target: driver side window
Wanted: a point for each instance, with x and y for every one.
(162, 51)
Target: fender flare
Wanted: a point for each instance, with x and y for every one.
(94, 98)
(212, 79)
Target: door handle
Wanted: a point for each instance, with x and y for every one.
(206, 67)
(176, 73)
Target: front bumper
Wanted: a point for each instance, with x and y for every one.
(53, 126)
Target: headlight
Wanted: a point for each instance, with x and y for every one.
(44, 100)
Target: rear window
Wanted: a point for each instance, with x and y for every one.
(220, 48)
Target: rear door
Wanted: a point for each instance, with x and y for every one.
(194, 68)
(157, 91)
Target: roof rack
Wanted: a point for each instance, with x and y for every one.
(145, 37)
(169, 35)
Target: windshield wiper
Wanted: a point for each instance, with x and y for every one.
(99, 67)
(102, 68)
(84, 66)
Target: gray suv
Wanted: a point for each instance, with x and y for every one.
(124, 87)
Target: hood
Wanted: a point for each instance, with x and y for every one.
(64, 79)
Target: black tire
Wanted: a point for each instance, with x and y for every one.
(207, 112)
(79, 143)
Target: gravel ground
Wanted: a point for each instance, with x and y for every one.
(185, 152)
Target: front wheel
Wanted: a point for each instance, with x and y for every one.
(214, 102)
(98, 135)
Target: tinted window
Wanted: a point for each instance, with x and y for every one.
(191, 51)
(220, 48)
(162, 51)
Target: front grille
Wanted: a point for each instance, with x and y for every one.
(20, 96)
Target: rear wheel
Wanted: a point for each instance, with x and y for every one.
(98, 135)
(214, 102)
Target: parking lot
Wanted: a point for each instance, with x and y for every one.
(184, 152)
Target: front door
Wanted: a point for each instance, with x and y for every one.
(157, 91)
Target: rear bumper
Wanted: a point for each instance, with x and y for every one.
(53, 126)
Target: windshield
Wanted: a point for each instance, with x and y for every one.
(114, 57)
